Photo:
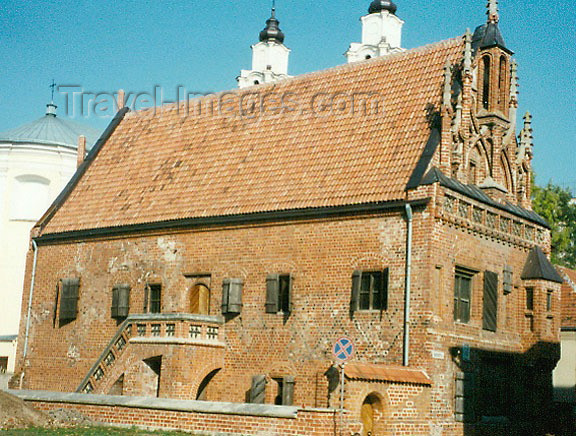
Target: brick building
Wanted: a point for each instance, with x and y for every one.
(215, 249)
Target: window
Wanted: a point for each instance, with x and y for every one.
(549, 301)
(278, 293)
(69, 299)
(232, 296)
(502, 82)
(120, 301)
(462, 294)
(285, 391)
(530, 299)
(473, 174)
(490, 308)
(369, 290)
(153, 298)
(486, 83)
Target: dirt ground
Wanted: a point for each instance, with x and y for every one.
(14, 413)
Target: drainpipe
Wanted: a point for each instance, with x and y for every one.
(35, 248)
(405, 358)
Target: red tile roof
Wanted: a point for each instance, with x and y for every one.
(568, 297)
(366, 371)
(161, 165)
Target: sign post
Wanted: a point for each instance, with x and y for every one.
(343, 351)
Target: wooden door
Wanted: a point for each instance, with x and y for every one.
(367, 415)
(200, 300)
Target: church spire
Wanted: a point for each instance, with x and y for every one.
(269, 56)
(272, 30)
(381, 32)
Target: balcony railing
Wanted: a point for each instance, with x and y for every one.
(176, 329)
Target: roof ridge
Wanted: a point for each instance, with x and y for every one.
(305, 76)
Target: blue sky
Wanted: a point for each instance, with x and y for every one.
(106, 45)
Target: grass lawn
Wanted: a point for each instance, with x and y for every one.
(92, 431)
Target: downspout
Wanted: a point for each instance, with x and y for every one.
(405, 358)
(32, 280)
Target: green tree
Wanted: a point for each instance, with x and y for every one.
(554, 204)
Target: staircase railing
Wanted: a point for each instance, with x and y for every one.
(154, 328)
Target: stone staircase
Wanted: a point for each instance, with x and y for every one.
(153, 329)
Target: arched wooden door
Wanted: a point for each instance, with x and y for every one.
(370, 415)
(200, 299)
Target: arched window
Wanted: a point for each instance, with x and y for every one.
(502, 91)
(30, 197)
(486, 83)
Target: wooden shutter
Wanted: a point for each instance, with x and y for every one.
(232, 296)
(272, 291)
(115, 298)
(288, 391)
(490, 312)
(258, 390)
(146, 296)
(356, 282)
(123, 305)
(507, 279)
(225, 295)
(384, 290)
(235, 296)
(69, 300)
(464, 397)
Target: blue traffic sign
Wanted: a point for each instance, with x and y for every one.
(343, 349)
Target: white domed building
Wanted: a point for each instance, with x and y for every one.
(36, 161)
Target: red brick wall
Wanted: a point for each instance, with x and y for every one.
(307, 421)
(321, 255)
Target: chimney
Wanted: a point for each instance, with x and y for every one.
(121, 99)
(81, 150)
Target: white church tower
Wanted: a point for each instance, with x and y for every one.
(381, 33)
(269, 57)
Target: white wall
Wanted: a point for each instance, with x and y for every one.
(564, 376)
(8, 349)
(31, 176)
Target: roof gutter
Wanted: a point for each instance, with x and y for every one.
(407, 286)
(226, 220)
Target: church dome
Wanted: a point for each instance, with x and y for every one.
(382, 5)
(272, 31)
(51, 130)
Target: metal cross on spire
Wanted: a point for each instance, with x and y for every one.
(53, 85)
(273, 8)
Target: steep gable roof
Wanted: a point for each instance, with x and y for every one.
(160, 165)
